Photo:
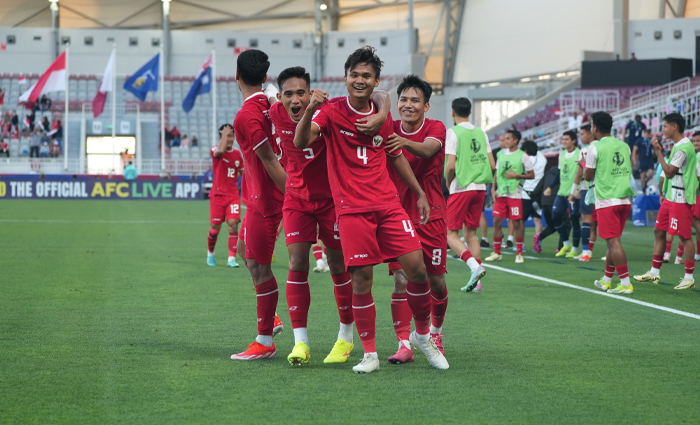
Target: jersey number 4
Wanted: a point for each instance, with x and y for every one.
(362, 154)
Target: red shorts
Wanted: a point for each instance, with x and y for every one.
(696, 208)
(377, 236)
(676, 219)
(259, 235)
(509, 208)
(464, 209)
(433, 240)
(612, 221)
(224, 208)
(301, 218)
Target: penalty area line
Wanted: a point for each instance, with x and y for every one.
(597, 292)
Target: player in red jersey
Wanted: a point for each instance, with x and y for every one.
(308, 213)
(262, 192)
(224, 200)
(422, 141)
(373, 226)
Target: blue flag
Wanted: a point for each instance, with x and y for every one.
(201, 85)
(144, 80)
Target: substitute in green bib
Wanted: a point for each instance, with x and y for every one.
(570, 159)
(512, 167)
(676, 212)
(468, 169)
(696, 207)
(608, 162)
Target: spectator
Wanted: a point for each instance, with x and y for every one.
(644, 158)
(44, 151)
(58, 135)
(175, 132)
(45, 103)
(2, 95)
(130, 172)
(54, 150)
(633, 58)
(44, 137)
(34, 143)
(185, 141)
(633, 131)
(175, 142)
(4, 148)
(195, 142)
(45, 124)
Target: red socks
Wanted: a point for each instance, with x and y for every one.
(211, 239)
(267, 294)
(681, 249)
(365, 315)
(657, 261)
(318, 252)
(622, 271)
(590, 246)
(342, 288)
(298, 298)
(438, 307)
(466, 255)
(232, 241)
(401, 316)
(419, 301)
(668, 246)
(519, 245)
(689, 267)
(497, 245)
(609, 271)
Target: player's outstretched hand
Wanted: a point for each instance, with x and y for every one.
(656, 143)
(547, 192)
(370, 126)
(317, 99)
(424, 208)
(395, 143)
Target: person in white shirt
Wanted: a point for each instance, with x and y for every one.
(531, 207)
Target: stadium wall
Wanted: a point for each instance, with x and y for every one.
(644, 43)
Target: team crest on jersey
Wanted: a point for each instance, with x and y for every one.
(237, 162)
(618, 159)
(377, 140)
(476, 147)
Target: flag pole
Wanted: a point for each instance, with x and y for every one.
(162, 111)
(213, 95)
(113, 94)
(65, 115)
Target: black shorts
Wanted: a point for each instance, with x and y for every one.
(646, 166)
(529, 210)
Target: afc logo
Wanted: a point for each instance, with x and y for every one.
(618, 159)
(566, 168)
(506, 168)
(476, 147)
(377, 140)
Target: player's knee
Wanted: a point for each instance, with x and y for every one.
(361, 279)
(216, 226)
(437, 283)
(658, 233)
(298, 263)
(400, 281)
(417, 273)
(336, 267)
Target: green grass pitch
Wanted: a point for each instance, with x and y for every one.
(109, 314)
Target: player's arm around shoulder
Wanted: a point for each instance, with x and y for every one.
(306, 133)
(403, 169)
(371, 125)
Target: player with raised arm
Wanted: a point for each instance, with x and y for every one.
(512, 166)
(468, 170)
(608, 162)
(309, 211)
(224, 200)
(422, 142)
(676, 212)
(263, 193)
(374, 228)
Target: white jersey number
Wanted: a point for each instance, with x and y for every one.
(310, 153)
(235, 208)
(515, 211)
(362, 153)
(674, 223)
(437, 257)
(232, 173)
(408, 227)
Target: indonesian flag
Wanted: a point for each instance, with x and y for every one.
(54, 79)
(22, 80)
(98, 103)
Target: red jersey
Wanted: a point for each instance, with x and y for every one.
(356, 163)
(253, 128)
(307, 171)
(428, 171)
(227, 168)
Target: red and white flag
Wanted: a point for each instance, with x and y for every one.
(54, 79)
(22, 80)
(98, 103)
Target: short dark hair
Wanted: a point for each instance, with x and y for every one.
(602, 120)
(252, 66)
(586, 127)
(222, 128)
(572, 135)
(293, 72)
(676, 118)
(462, 107)
(697, 133)
(529, 147)
(646, 130)
(415, 82)
(366, 55)
(515, 133)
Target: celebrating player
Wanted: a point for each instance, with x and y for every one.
(569, 160)
(421, 140)
(308, 206)
(224, 201)
(468, 170)
(373, 226)
(608, 162)
(507, 194)
(263, 193)
(676, 212)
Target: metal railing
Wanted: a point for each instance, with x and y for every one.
(590, 100)
(38, 166)
(660, 93)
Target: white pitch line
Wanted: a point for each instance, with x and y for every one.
(17, 220)
(597, 292)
